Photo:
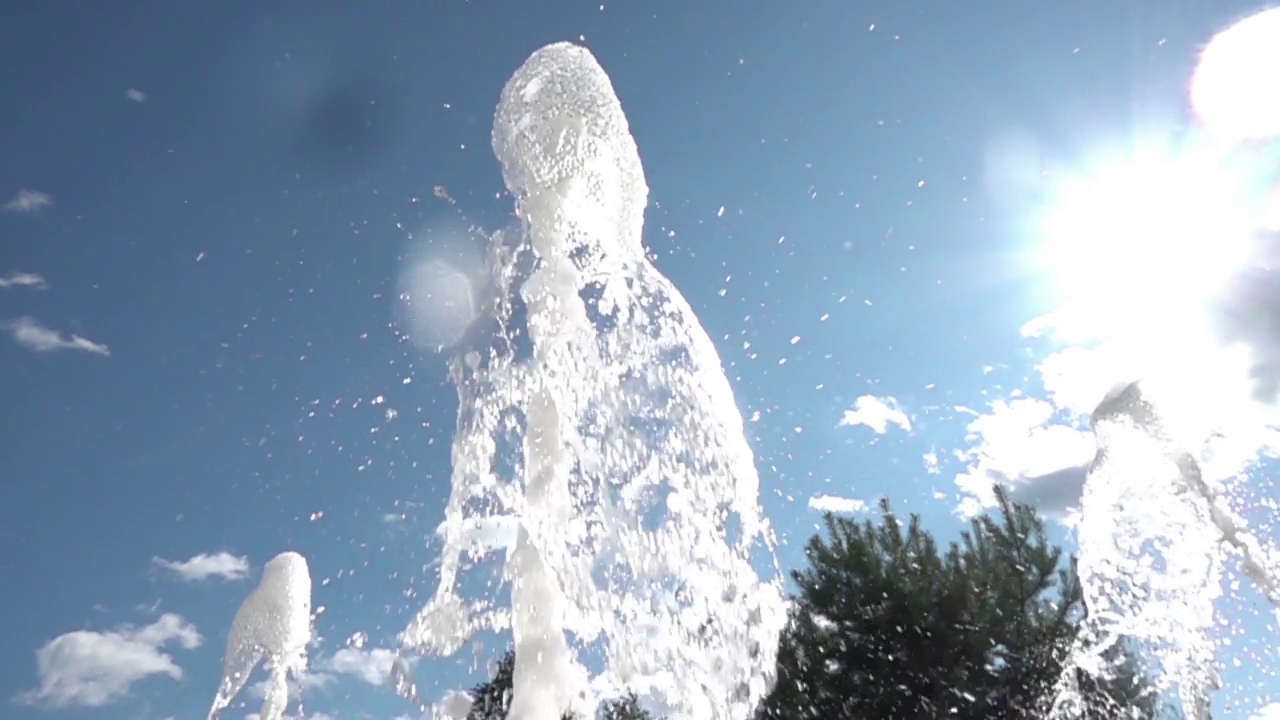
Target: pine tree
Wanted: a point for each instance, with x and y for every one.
(885, 625)
(626, 707)
(491, 699)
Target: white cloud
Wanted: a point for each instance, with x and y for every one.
(24, 279)
(1267, 712)
(33, 335)
(1018, 444)
(372, 666)
(1196, 329)
(87, 668)
(836, 504)
(876, 413)
(1076, 378)
(1056, 493)
(931, 462)
(308, 681)
(135, 95)
(26, 201)
(1041, 449)
(207, 565)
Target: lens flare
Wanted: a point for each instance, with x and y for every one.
(440, 289)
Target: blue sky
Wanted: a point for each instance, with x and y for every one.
(213, 203)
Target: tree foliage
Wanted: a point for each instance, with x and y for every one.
(885, 624)
(490, 700)
(626, 707)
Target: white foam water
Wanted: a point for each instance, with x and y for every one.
(273, 625)
(599, 434)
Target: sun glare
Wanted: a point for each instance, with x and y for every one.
(1141, 238)
(1233, 90)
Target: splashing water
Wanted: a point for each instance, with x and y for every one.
(600, 434)
(1148, 560)
(272, 624)
(1155, 528)
(1151, 535)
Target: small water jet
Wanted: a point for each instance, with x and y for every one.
(273, 625)
(598, 432)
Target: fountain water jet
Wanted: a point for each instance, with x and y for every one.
(1151, 537)
(273, 625)
(601, 428)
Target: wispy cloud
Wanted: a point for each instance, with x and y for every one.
(33, 335)
(26, 201)
(876, 413)
(932, 464)
(24, 279)
(87, 668)
(373, 665)
(310, 681)
(837, 504)
(206, 565)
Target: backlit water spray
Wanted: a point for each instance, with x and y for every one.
(598, 441)
(1153, 535)
(1155, 526)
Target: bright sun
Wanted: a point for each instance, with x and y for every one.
(1146, 239)
(1234, 89)
(1143, 237)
